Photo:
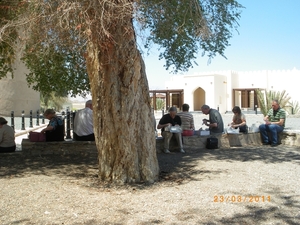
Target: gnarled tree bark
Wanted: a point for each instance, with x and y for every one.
(123, 119)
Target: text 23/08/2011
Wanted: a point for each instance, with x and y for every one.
(239, 198)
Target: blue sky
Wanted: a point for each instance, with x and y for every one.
(268, 39)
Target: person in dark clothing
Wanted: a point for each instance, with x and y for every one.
(55, 130)
(168, 120)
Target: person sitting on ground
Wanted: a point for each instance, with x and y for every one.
(239, 120)
(7, 137)
(274, 123)
(168, 120)
(55, 130)
(83, 123)
(187, 119)
(215, 121)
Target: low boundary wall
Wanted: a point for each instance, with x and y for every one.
(67, 147)
(290, 138)
(189, 142)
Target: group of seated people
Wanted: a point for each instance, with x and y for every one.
(274, 123)
(55, 131)
(84, 131)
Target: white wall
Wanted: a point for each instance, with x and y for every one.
(220, 93)
(15, 95)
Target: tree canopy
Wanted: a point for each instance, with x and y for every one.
(55, 34)
(183, 28)
(8, 35)
(60, 39)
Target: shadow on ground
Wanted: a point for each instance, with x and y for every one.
(178, 168)
(175, 166)
(284, 211)
(73, 166)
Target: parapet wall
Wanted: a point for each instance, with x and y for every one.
(189, 143)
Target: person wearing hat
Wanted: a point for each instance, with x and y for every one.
(168, 120)
(7, 137)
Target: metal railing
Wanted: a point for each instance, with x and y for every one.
(19, 123)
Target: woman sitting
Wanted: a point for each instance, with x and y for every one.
(7, 137)
(239, 120)
(55, 130)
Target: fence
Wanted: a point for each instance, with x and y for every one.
(37, 119)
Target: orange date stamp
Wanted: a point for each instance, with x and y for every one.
(239, 198)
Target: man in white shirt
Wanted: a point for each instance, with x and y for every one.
(83, 123)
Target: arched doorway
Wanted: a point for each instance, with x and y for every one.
(199, 99)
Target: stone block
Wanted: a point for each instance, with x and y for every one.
(60, 147)
(241, 139)
(173, 147)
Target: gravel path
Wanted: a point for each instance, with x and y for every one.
(199, 187)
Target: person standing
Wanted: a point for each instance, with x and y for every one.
(274, 123)
(7, 137)
(215, 121)
(168, 120)
(83, 123)
(187, 119)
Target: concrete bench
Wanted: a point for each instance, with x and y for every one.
(67, 147)
(287, 137)
(291, 138)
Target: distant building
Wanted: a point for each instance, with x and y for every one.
(226, 89)
(15, 95)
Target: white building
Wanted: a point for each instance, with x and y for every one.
(226, 89)
(15, 95)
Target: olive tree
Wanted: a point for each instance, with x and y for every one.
(102, 36)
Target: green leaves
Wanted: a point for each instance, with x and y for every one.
(58, 30)
(265, 99)
(7, 57)
(56, 69)
(184, 27)
(7, 54)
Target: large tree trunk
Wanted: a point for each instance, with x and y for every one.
(123, 119)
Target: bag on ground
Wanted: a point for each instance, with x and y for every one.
(36, 136)
(212, 143)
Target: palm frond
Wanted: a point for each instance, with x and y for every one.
(265, 99)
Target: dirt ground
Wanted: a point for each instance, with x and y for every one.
(224, 186)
